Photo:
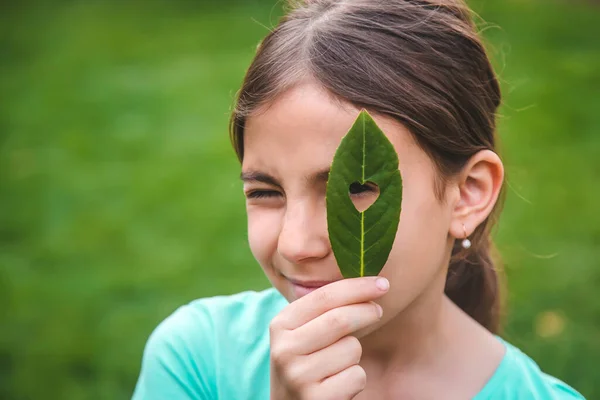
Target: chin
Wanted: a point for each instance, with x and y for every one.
(283, 286)
(287, 293)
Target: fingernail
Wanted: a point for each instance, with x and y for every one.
(382, 284)
(379, 310)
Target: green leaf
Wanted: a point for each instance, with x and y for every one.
(361, 241)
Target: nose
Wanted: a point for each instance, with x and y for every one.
(303, 236)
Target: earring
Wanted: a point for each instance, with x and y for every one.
(466, 243)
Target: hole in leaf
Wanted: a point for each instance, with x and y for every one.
(363, 195)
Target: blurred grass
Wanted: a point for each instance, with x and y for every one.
(119, 196)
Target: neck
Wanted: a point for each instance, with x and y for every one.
(416, 354)
(417, 336)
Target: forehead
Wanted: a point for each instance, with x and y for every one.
(301, 130)
(304, 116)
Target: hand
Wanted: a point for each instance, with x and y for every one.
(313, 355)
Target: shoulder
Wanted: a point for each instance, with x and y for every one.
(519, 377)
(182, 354)
(238, 320)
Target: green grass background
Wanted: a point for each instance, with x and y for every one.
(119, 196)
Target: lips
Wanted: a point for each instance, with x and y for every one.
(303, 287)
(310, 284)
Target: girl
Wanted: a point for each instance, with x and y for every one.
(425, 328)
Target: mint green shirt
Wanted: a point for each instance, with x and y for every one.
(218, 348)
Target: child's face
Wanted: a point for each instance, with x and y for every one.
(295, 139)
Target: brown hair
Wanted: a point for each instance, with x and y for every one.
(420, 62)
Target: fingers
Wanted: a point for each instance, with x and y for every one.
(334, 325)
(327, 362)
(344, 385)
(312, 352)
(336, 294)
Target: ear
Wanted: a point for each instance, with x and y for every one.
(478, 186)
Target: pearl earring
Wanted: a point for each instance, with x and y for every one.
(466, 243)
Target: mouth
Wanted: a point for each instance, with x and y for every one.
(303, 287)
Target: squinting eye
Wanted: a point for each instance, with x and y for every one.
(357, 188)
(260, 194)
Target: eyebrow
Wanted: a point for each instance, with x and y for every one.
(257, 176)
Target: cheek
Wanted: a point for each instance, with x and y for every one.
(420, 247)
(422, 236)
(263, 233)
